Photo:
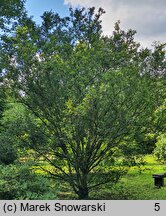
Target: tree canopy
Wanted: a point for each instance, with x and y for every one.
(11, 11)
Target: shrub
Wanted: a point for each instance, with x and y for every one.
(160, 150)
(8, 153)
(20, 182)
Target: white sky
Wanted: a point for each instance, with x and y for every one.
(147, 17)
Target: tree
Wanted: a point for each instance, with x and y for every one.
(11, 11)
(12, 14)
(8, 124)
(90, 92)
(18, 132)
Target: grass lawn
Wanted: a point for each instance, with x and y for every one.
(136, 186)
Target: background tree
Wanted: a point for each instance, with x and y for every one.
(13, 129)
(11, 12)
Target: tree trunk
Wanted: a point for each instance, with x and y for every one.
(83, 190)
(83, 193)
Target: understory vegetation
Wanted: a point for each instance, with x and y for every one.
(28, 181)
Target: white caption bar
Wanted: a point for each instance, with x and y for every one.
(81, 208)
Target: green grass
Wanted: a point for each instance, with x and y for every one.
(136, 186)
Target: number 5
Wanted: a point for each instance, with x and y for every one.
(157, 207)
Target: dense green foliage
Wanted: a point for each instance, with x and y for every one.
(2, 102)
(160, 150)
(13, 126)
(11, 12)
(20, 182)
